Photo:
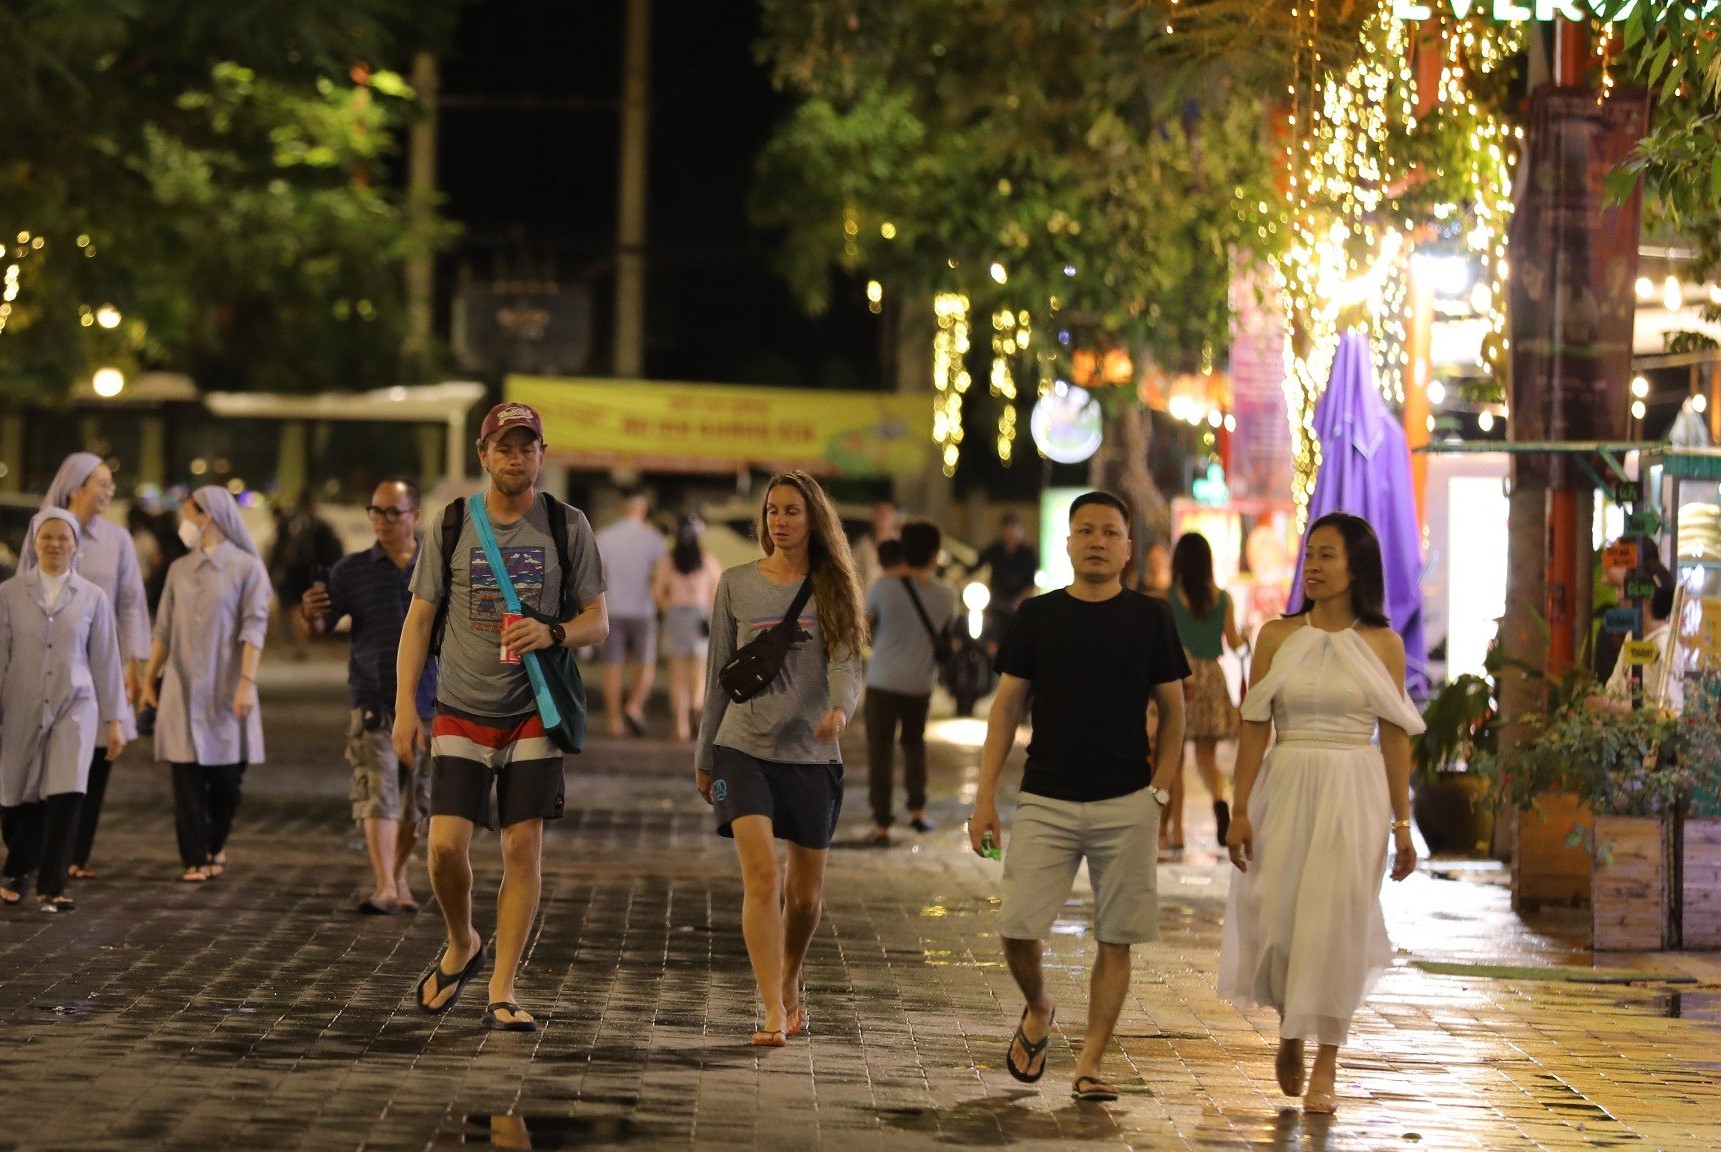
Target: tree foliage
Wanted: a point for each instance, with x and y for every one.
(1107, 160)
(1674, 49)
(216, 173)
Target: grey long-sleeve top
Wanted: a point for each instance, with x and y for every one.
(213, 603)
(59, 680)
(778, 723)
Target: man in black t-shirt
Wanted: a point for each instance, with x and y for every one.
(1011, 564)
(1093, 655)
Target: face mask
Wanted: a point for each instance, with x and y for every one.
(190, 535)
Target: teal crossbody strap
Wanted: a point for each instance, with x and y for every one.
(547, 710)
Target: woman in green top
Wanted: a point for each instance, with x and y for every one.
(1203, 616)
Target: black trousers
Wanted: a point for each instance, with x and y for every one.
(885, 711)
(39, 839)
(205, 800)
(90, 814)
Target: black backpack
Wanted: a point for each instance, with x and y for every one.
(454, 518)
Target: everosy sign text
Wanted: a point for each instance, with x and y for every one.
(1517, 11)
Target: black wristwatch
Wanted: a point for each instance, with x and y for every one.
(558, 635)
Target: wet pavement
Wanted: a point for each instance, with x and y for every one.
(261, 1012)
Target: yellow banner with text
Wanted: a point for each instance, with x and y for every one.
(654, 426)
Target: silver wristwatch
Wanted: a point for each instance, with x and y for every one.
(1161, 796)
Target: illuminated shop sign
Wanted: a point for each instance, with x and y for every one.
(1518, 11)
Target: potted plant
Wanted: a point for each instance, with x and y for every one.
(1699, 745)
(1450, 800)
(1595, 748)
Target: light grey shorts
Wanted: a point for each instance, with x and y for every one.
(631, 638)
(1119, 838)
(685, 632)
(381, 789)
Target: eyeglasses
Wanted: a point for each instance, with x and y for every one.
(391, 515)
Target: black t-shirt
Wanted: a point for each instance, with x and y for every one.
(1092, 668)
(1013, 569)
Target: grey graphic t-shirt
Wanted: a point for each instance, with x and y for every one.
(473, 677)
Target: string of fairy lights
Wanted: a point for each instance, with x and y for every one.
(950, 379)
(1351, 235)
(1011, 336)
(1352, 241)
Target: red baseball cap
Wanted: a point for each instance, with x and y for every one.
(512, 414)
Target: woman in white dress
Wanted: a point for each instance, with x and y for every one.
(1303, 927)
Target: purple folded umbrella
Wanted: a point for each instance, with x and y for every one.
(1365, 470)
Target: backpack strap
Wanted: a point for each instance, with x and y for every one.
(920, 610)
(453, 517)
(557, 512)
(792, 618)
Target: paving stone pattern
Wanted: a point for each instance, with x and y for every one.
(260, 1012)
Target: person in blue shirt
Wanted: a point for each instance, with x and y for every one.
(390, 799)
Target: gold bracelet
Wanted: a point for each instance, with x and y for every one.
(1397, 824)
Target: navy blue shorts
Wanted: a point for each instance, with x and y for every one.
(802, 801)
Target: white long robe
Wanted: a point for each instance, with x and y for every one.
(60, 682)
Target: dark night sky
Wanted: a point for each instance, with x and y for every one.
(540, 183)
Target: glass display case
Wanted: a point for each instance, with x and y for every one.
(1686, 488)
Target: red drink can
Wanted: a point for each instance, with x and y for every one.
(509, 656)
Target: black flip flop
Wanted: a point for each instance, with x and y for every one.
(1032, 1049)
(496, 1023)
(440, 981)
(370, 907)
(1099, 1091)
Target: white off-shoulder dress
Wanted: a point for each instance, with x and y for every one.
(1304, 931)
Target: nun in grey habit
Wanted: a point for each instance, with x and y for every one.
(60, 691)
(106, 558)
(208, 641)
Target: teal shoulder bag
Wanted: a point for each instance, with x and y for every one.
(553, 672)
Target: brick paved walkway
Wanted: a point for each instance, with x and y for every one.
(261, 1012)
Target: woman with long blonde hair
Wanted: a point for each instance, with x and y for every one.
(771, 765)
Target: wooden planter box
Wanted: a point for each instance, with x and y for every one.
(1700, 896)
(1629, 907)
(1545, 870)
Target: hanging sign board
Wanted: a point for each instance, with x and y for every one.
(1518, 11)
(1645, 523)
(1619, 620)
(1636, 589)
(1620, 555)
(1640, 652)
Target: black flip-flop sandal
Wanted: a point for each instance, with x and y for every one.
(369, 907)
(1098, 1091)
(496, 1023)
(1032, 1049)
(440, 981)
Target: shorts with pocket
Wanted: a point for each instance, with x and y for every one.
(802, 801)
(510, 755)
(383, 788)
(1119, 838)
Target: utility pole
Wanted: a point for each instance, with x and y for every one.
(420, 194)
(629, 354)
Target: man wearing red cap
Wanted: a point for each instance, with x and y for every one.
(486, 735)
